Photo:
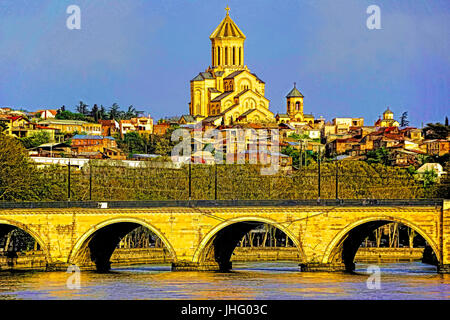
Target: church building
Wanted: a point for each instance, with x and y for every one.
(228, 92)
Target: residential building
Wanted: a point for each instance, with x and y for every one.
(437, 147)
(141, 125)
(73, 126)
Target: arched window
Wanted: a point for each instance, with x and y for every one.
(234, 56)
(240, 56)
(297, 106)
(218, 55)
(226, 55)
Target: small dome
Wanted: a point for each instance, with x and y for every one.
(294, 93)
(388, 111)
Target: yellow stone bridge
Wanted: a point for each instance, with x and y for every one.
(201, 235)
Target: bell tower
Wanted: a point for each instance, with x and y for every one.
(294, 104)
(227, 45)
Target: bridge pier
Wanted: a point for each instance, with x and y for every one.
(199, 266)
(325, 267)
(443, 268)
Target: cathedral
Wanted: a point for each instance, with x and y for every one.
(228, 92)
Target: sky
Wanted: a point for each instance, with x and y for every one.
(145, 52)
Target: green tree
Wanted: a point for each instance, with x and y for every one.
(132, 143)
(67, 115)
(102, 113)
(36, 139)
(82, 108)
(429, 178)
(380, 156)
(131, 113)
(114, 112)
(404, 122)
(16, 175)
(95, 113)
(436, 131)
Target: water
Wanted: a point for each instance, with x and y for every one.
(252, 280)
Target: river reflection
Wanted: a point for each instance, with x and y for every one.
(252, 280)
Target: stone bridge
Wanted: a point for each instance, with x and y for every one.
(201, 235)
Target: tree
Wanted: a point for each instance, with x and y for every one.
(436, 131)
(131, 113)
(380, 155)
(67, 115)
(82, 108)
(446, 121)
(16, 174)
(36, 139)
(102, 113)
(114, 111)
(132, 142)
(404, 122)
(3, 127)
(95, 113)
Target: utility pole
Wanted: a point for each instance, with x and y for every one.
(68, 181)
(337, 179)
(190, 187)
(90, 180)
(318, 163)
(215, 181)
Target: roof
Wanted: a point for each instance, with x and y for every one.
(188, 118)
(227, 29)
(257, 78)
(91, 137)
(431, 166)
(52, 145)
(294, 93)
(229, 108)
(221, 96)
(282, 115)
(241, 93)
(211, 118)
(246, 113)
(68, 122)
(202, 76)
(234, 74)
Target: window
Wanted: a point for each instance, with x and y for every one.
(234, 55)
(226, 55)
(240, 56)
(218, 55)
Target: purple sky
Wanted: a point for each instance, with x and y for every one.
(145, 52)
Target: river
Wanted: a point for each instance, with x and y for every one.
(251, 280)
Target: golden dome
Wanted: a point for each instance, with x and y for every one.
(227, 29)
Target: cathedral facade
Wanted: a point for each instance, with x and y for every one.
(228, 92)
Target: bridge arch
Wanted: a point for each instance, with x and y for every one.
(30, 231)
(204, 249)
(336, 249)
(124, 225)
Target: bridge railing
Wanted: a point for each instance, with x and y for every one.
(221, 203)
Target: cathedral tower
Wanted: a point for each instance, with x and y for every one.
(294, 107)
(227, 92)
(227, 45)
